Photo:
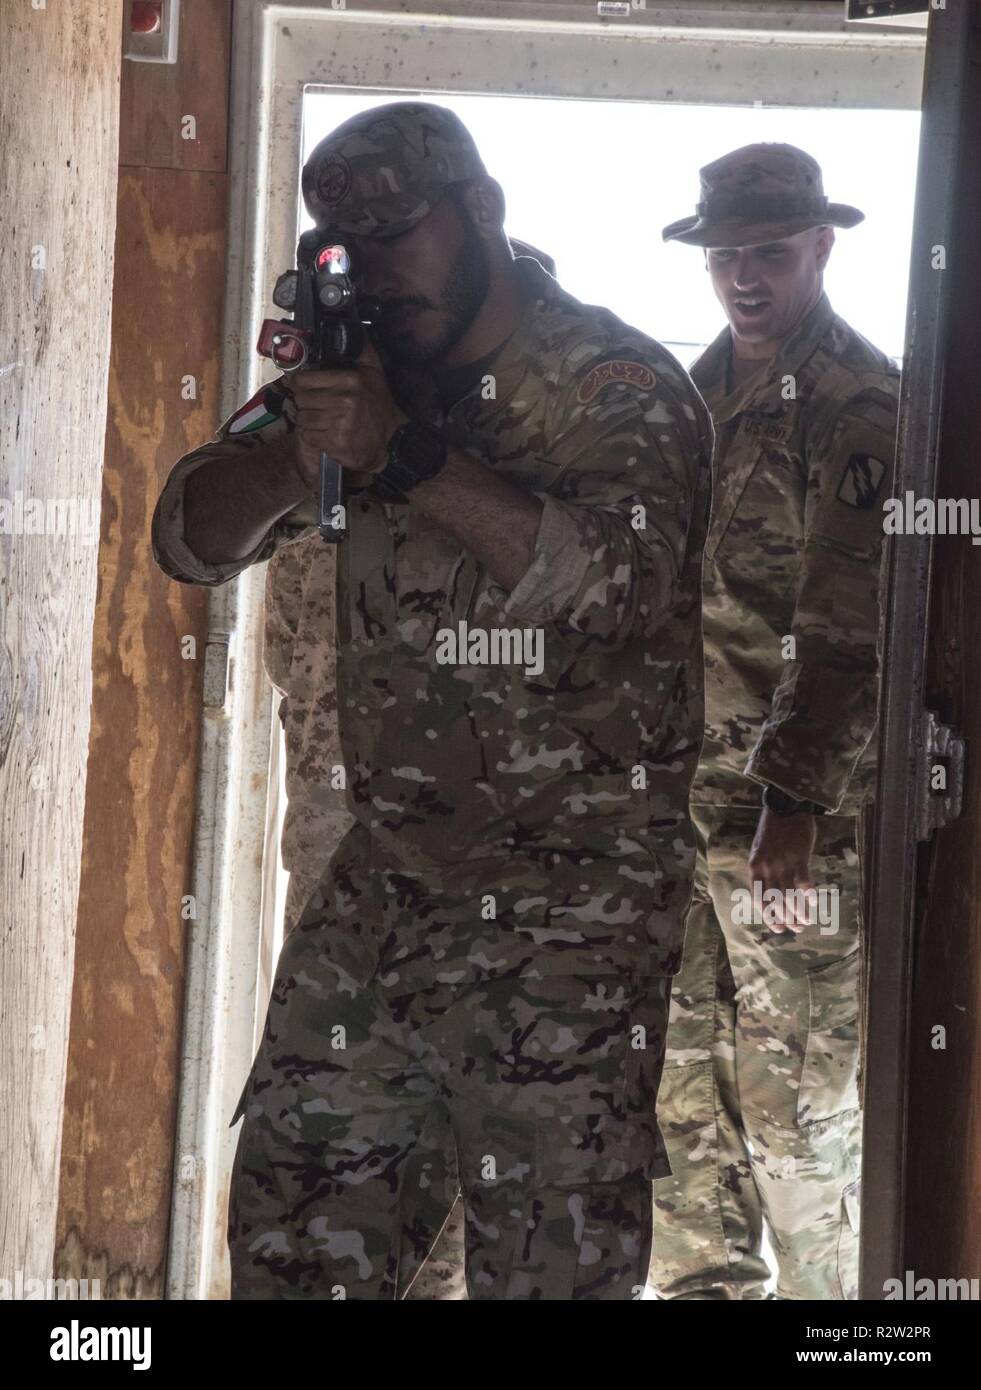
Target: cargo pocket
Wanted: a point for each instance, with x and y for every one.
(592, 1202)
(646, 1044)
(689, 1235)
(829, 1078)
(848, 1239)
(542, 1220)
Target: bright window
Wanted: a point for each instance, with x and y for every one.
(596, 181)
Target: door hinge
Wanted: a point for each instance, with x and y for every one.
(216, 671)
(941, 777)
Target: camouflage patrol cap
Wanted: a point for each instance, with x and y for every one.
(760, 193)
(382, 171)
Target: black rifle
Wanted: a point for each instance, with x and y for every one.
(326, 331)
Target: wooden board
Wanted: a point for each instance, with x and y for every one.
(56, 244)
(156, 97)
(120, 1103)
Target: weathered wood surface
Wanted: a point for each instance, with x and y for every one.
(59, 112)
(121, 1100)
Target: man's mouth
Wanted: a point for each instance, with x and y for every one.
(398, 313)
(750, 306)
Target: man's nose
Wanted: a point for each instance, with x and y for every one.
(745, 273)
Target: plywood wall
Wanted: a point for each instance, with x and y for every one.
(121, 1096)
(59, 110)
(943, 1207)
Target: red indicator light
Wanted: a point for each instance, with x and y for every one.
(335, 259)
(144, 18)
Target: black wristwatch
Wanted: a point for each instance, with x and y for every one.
(783, 805)
(416, 453)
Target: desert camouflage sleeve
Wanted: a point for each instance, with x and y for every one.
(283, 607)
(824, 709)
(634, 456)
(170, 549)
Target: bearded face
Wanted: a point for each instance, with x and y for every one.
(429, 283)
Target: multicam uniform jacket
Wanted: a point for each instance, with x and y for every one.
(803, 460)
(500, 821)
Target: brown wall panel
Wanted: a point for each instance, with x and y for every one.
(121, 1096)
(157, 96)
(943, 1214)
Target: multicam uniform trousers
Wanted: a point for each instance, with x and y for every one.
(759, 1101)
(365, 1114)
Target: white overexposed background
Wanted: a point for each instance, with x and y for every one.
(593, 183)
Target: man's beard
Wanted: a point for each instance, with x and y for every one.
(465, 290)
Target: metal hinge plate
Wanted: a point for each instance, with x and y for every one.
(941, 784)
(216, 671)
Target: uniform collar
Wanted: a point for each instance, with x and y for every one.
(764, 390)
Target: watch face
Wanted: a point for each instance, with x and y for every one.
(420, 449)
(783, 805)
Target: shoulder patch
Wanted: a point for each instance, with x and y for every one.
(619, 370)
(860, 481)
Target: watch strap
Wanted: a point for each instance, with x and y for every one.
(416, 453)
(781, 804)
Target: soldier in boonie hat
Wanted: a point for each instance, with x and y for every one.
(757, 194)
(382, 171)
(805, 412)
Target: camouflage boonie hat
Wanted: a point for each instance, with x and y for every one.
(382, 171)
(760, 193)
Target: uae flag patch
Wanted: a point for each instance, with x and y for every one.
(256, 413)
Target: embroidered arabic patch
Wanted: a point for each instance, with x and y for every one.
(619, 370)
